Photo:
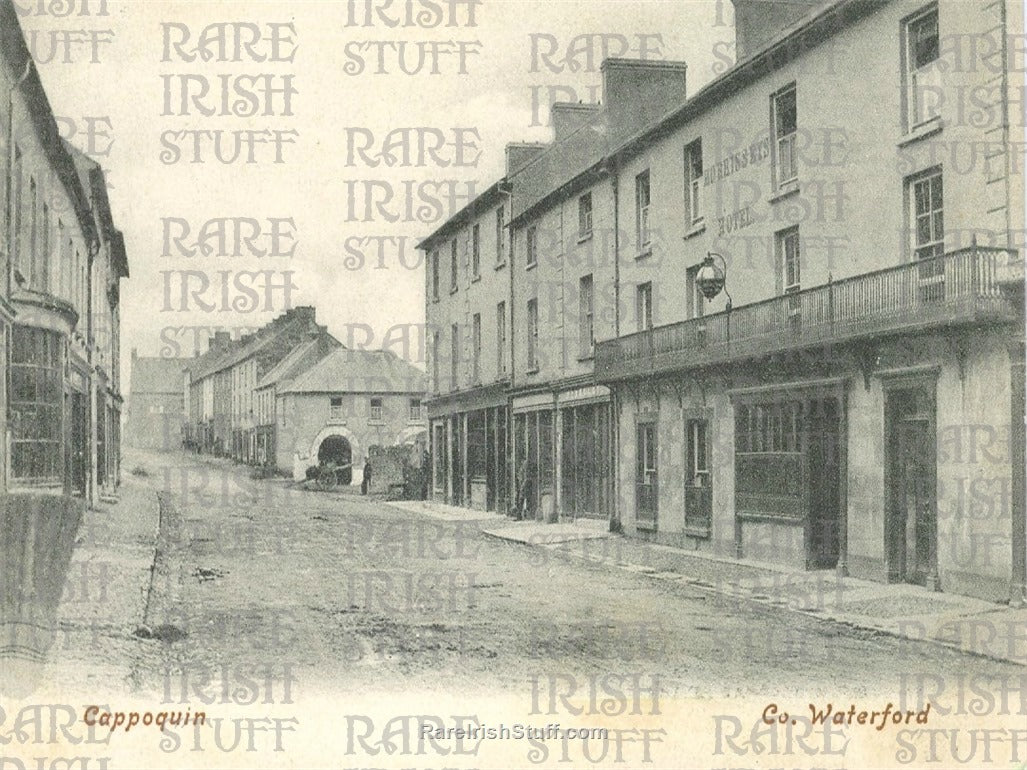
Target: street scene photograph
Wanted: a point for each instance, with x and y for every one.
(507, 384)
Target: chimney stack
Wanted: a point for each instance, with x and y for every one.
(638, 92)
(757, 22)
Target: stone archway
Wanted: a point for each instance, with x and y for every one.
(336, 450)
(330, 435)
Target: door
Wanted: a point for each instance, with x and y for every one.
(912, 480)
(646, 476)
(915, 510)
(822, 464)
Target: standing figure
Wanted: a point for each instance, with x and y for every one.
(365, 484)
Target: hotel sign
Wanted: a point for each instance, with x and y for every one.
(757, 152)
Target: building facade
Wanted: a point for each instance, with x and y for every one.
(346, 403)
(796, 370)
(221, 384)
(63, 260)
(61, 263)
(156, 411)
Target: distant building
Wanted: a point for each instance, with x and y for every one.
(346, 403)
(222, 382)
(297, 362)
(156, 403)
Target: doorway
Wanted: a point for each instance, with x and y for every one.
(823, 472)
(911, 506)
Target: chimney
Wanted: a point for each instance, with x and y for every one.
(757, 22)
(220, 341)
(638, 92)
(519, 153)
(566, 117)
(306, 313)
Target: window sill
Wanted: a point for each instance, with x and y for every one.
(376, 422)
(697, 228)
(453, 290)
(435, 298)
(337, 421)
(532, 370)
(787, 190)
(645, 253)
(920, 132)
(500, 265)
(582, 237)
(648, 526)
(476, 278)
(586, 357)
(531, 265)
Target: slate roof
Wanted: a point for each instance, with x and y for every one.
(293, 364)
(360, 371)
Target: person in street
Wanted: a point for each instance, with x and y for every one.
(365, 484)
(524, 491)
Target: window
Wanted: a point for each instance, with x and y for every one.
(693, 183)
(501, 338)
(415, 410)
(377, 411)
(928, 233)
(335, 409)
(532, 334)
(586, 335)
(476, 348)
(785, 131)
(19, 244)
(644, 306)
(453, 266)
(435, 274)
(436, 350)
(500, 236)
(642, 211)
(454, 360)
(46, 260)
(928, 220)
(37, 362)
(694, 299)
(923, 73)
(585, 216)
(698, 484)
(476, 251)
(531, 246)
(34, 258)
(789, 259)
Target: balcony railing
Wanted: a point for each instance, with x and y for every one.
(956, 288)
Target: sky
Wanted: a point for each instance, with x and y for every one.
(140, 85)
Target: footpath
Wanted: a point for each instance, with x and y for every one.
(971, 625)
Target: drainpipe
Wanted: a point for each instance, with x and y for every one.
(615, 487)
(511, 443)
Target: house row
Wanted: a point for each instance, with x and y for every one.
(779, 317)
(61, 263)
(286, 396)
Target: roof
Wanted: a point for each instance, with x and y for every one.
(15, 50)
(294, 363)
(360, 371)
(157, 375)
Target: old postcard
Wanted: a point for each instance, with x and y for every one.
(419, 384)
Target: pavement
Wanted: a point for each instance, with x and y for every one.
(963, 623)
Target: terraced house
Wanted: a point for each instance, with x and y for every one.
(815, 354)
(224, 414)
(63, 259)
(61, 263)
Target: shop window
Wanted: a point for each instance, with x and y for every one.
(36, 401)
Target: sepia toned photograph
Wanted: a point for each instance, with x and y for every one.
(504, 384)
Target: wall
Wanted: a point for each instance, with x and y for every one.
(303, 418)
